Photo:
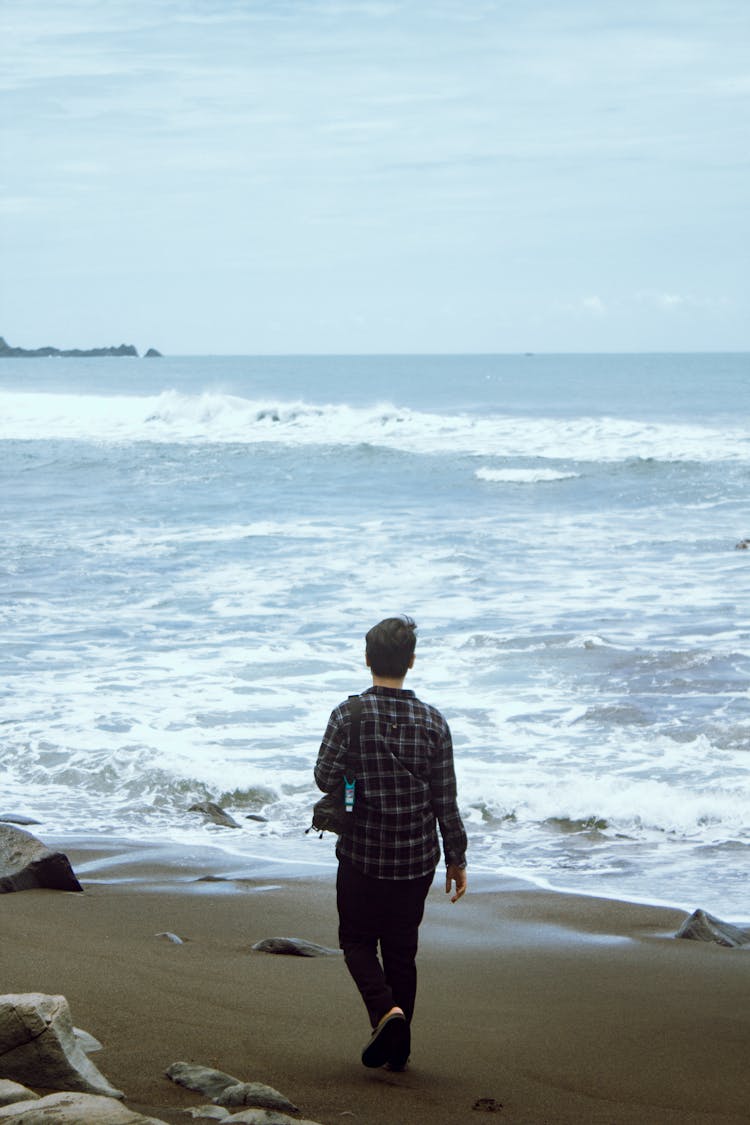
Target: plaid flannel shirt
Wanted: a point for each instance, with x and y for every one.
(405, 785)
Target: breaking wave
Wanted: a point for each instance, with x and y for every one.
(174, 417)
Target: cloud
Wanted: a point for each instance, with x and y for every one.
(594, 305)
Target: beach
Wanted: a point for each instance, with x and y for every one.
(559, 1007)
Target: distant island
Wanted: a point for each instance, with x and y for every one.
(7, 352)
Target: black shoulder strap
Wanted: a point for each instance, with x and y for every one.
(355, 712)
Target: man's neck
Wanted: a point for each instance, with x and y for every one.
(387, 681)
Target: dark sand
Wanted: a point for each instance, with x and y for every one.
(560, 1007)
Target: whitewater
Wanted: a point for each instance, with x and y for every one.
(194, 548)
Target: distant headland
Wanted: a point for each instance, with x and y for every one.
(7, 352)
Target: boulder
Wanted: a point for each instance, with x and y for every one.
(25, 863)
(17, 818)
(225, 1090)
(12, 1092)
(39, 1046)
(255, 1094)
(701, 926)
(214, 813)
(74, 1109)
(204, 1079)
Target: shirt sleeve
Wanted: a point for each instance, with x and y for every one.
(329, 768)
(445, 803)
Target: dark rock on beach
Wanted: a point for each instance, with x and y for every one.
(294, 947)
(26, 863)
(17, 818)
(8, 352)
(701, 926)
(214, 813)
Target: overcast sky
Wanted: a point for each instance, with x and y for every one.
(251, 176)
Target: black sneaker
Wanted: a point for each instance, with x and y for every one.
(390, 1039)
(399, 1057)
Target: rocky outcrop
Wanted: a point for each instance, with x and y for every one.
(74, 1109)
(25, 863)
(39, 1046)
(701, 926)
(8, 352)
(152, 353)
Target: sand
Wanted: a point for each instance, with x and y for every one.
(559, 1007)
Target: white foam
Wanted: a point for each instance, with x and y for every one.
(220, 418)
(522, 476)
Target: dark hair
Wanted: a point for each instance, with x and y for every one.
(390, 646)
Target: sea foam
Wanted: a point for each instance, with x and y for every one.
(175, 417)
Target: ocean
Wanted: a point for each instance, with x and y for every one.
(193, 549)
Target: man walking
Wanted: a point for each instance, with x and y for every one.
(405, 787)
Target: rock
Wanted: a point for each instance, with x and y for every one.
(255, 1094)
(487, 1105)
(17, 818)
(257, 817)
(152, 353)
(75, 1109)
(13, 1092)
(294, 947)
(87, 1042)
(214, 813)
(7, 352)
(267, 1117)
(38, 1045)
(701, 926)
(212, 1112)
(743, 545)
(225, 1090)
(25, 863)
(168, 936)
(201, 1078)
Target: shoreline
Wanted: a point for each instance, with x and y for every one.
(563, 1008)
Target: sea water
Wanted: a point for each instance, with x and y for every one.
(193, 549)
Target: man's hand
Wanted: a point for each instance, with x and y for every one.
(455, 875)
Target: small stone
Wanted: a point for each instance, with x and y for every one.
(294, 947)
(487, 1105)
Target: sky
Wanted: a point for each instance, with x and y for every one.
(375, 176)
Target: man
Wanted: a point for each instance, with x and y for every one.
(405, 785)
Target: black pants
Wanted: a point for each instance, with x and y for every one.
(385, 911)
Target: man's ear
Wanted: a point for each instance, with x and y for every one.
(367, 659)
(411, 661)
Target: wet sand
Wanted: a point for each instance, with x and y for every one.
(559, 1007)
